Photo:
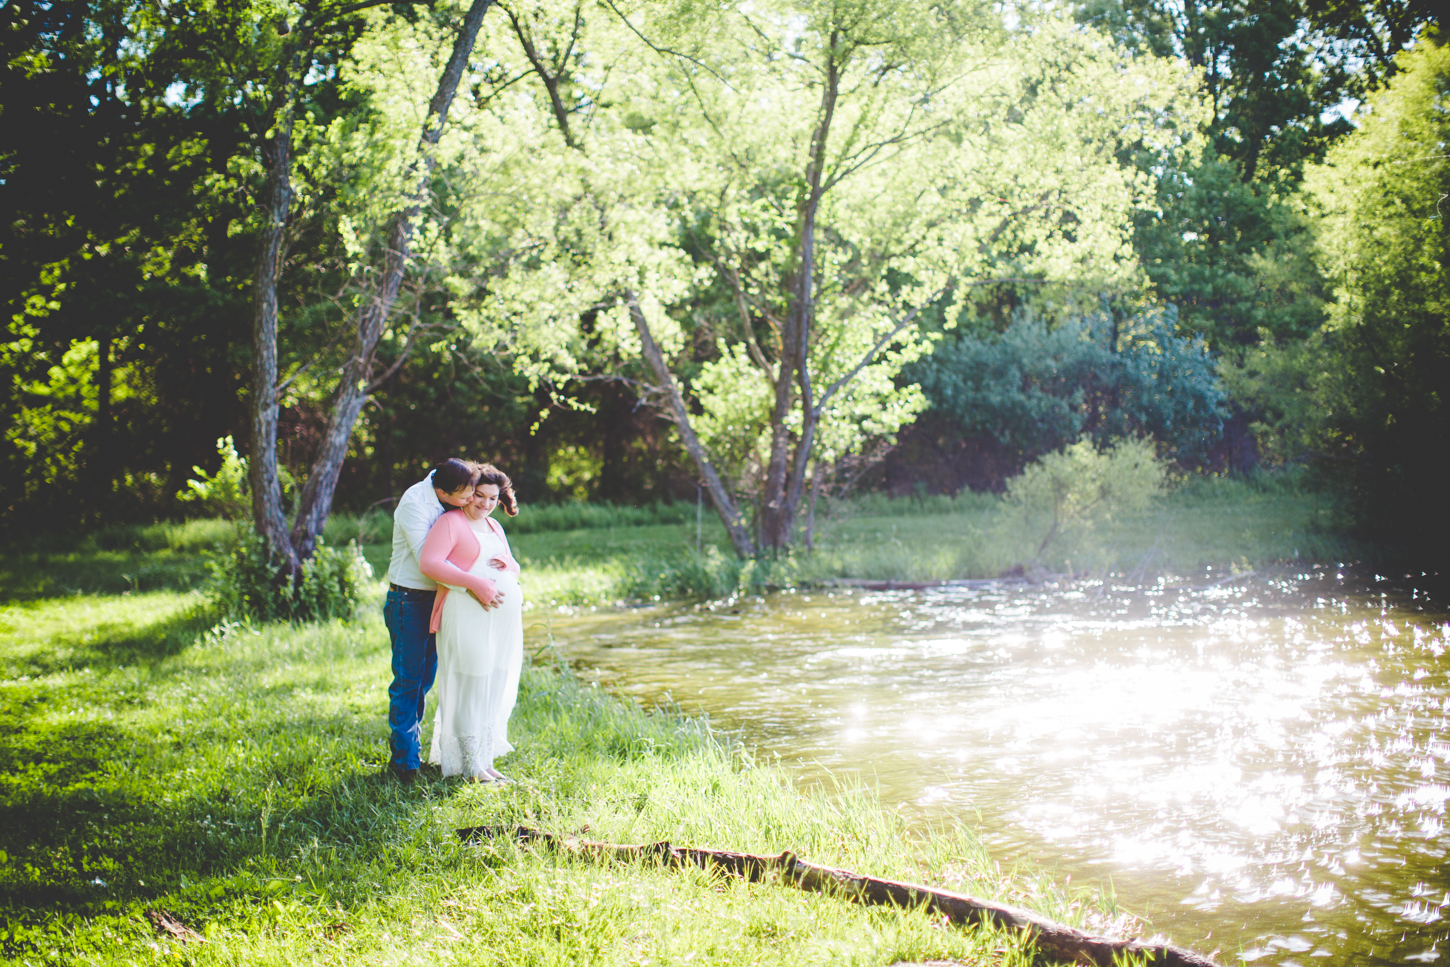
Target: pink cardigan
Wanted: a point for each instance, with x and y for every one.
(448, 552)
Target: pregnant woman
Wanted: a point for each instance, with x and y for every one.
(478, 616)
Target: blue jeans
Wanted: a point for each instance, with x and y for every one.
(415, 663)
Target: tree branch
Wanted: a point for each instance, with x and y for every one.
(353, 8)
(1056, 941)
(881, 343)
(665, 50)
(724, 504)
(308, 365)
(551, 81)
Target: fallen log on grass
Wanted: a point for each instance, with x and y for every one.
(1053, 939)
(168, 926)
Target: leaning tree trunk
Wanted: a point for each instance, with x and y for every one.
(679, 413)
(357, 376)
(724, 504)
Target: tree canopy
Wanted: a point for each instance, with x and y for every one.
(776, 197)
(359, 236)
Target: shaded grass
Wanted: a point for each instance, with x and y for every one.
(44, 638)
(90, 570)
(230, 778)
(173, 556)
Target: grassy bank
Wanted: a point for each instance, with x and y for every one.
(588, 554)
(150, 760)
(153, 758)
(1201, 522)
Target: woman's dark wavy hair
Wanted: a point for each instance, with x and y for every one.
(453, 474)
(489, 474)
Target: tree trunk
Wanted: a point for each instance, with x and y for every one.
(679, 414)
(785, 472)
(795, 486)
(372, 318)
(811, 511)
(267, 516)
(775, 513)
(724, 503)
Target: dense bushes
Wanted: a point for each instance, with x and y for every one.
(1037, 389)
(248, 582)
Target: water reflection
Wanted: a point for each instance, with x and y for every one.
(1261, 768)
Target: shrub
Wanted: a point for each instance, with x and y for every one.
(228, 493)
(710, 574)
(224, 493)
(1080, 486)
(1288, 388)
(249, 583)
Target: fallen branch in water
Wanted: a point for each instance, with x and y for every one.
(1056, 940)
(892, 584)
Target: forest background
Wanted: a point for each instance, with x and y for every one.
(910, 247)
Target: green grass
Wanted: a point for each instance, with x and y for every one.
(1202, 522)
(227, 774)
(625, 554)
(154, 757)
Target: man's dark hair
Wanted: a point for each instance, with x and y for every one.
(453, 474)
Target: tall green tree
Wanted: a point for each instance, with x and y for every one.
(831, 173)
(114, 260)
(1273, 71)
(1386, 246)
(378, 293)
(1237, 259)
(269, 58)
(134, 161)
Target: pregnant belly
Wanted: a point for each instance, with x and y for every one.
(506, 582)
(507, 585)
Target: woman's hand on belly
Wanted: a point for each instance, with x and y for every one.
(487, 605)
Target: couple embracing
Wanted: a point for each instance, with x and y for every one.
(454, 611)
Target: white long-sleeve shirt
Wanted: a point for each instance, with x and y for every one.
(418, 509)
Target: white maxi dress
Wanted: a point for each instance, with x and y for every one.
(480, 655)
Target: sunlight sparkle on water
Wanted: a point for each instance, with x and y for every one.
(1262, 765)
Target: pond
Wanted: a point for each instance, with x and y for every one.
(1259, 767)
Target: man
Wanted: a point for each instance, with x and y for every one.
(410, 606)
